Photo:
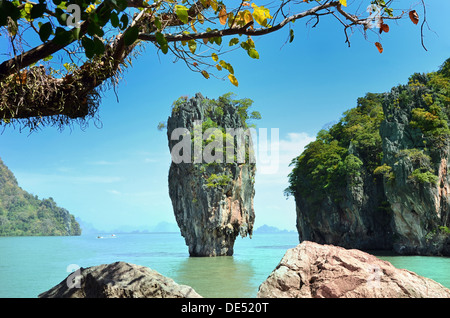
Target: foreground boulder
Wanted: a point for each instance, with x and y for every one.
(311, 270)
(119, 280)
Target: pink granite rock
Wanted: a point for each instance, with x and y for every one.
(311, 270)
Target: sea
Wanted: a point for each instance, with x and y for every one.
(32, 265)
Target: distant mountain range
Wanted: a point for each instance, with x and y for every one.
(162, 227)
(158, 228)
(270, 229)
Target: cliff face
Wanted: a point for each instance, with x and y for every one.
(338, 198)
(212, 202)
(379, 179)
(418, 193)
(355, 221)
(24, 214)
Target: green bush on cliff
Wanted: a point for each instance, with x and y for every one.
(385, 171)
(421, 176)
(338, 154)
(416, 156)
(24, 214)
(218, 180)
(423, 171)
(432, 122)
(243, 105)
(218, 141)
(432, 116)
(353, 146)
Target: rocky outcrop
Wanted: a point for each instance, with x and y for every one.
(379, 178)
(418, 192)
(356, 221)
(311, 270)
(339, 200)
(212, 202)
(118, 280)
(24, 214)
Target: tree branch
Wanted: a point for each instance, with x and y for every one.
(243, 30)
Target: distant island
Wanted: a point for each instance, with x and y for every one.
(24, 214)
(270, 229)
(161, 227)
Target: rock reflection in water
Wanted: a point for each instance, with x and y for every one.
(216, 277)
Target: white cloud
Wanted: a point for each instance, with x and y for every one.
(115, 192)
(288, 148)
(271, 206)
(293, 146)
(38, 178)
(103, 163)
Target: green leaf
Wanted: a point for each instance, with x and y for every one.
(37, 11)
(182, 13)
(291, 35)
(218, 40)
(122, 4)
(114, 19)
(44, 31)
(214, 5)
(205, 74)
(62, 36)
(131, 35)
(7, 9)
(261, 14)
(88, 45)
(245, 46)
(76, 33)
(48, 58)
(233, 41)
(104, 15)
(160, 38)
(192, 46)
(94, 29)
(99, 47)
(27, 8)
(226, 66)
(157, 23)
(233, 80)
(215, 57)
(62, 5)
(253, 54)
(389, 11)
(162, 42)
(61, 16)
(124, 21)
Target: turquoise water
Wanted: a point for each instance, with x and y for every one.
(32, 265)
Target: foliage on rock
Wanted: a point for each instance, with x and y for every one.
(22, 213)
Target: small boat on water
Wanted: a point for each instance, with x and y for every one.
(99, 237)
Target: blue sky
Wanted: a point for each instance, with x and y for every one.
(116, 175)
